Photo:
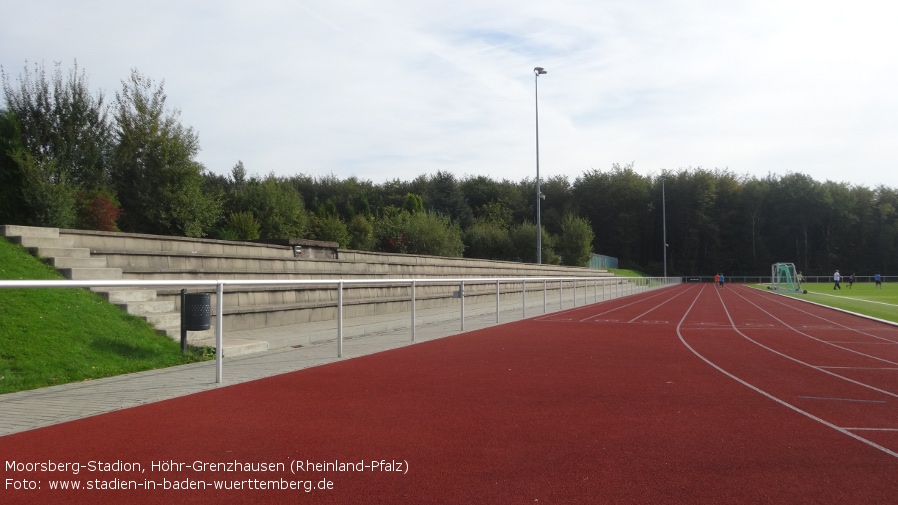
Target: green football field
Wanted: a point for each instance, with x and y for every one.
(862, 298)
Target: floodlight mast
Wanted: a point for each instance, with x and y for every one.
(537, 71)
(664, 224)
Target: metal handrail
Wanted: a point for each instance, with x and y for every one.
(339, 284)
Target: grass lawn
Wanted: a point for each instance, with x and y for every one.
(54, 336)
(623, 272)
(862, 298)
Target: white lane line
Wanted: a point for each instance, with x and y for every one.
(856, 330)
(770, 396)
(854, 299)
(634, 302)
(796, 330)
(857, 368)
(656, 306)
(855, 400)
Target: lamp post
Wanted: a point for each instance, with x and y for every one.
(664, 224)
(537, 71)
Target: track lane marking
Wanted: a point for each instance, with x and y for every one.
(770, 396)
(690, 288)
(797, 309)
(656, 306)
(796, 330)
(853, 400)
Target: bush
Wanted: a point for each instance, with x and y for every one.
(361, 233)
(241, 226)
(329, 229)
(523, 239)
(488, 240)
(575, 243)
(99, 211)
(433, 234)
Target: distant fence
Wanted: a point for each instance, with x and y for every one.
(601, 262)
(764, 279)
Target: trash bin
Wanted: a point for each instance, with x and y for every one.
(196, 314)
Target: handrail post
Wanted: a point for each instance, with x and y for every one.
(340, 319)
(413, 311)
(219, 330)
(497, 301)
(524, 298)
(545, 297)
(560, 294)
(461, 295)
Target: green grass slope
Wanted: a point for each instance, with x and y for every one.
(59, 335)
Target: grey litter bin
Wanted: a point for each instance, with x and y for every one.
(196, 314)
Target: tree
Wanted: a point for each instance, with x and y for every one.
(12, 181)
(57, 140)
(443, 194)
(391, 230)
(488, 240)
(276, 204)
(574, 244)
(361, 233)
(557, 203)
(523, 240)
(155, 174)
(617, 203)
(330, 229)
(241, 226)
(432, 234)
(414, 204)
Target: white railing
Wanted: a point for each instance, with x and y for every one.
(630, 285)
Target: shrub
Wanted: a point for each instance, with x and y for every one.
(99, 211)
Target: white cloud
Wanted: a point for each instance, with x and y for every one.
(385, 90)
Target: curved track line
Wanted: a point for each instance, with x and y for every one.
(792, 358)
(780, 302)
(796, 330)
(769, 395)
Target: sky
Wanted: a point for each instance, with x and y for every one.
(394, 89)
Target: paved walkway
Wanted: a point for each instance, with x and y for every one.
(28, 410)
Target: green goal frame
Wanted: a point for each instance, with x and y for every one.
(784, 278)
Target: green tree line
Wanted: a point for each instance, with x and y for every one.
(69, 158)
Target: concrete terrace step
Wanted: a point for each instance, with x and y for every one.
(73, 262)
(147, 307)
(86, 274)
(53, 242)
(59, 252)
(164, 321)
(12, 230)
(125, 295)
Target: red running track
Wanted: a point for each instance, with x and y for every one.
(692, 394)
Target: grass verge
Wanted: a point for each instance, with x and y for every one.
(59, 335)
(624, 272)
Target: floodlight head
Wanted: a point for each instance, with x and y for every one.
(539, 70)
